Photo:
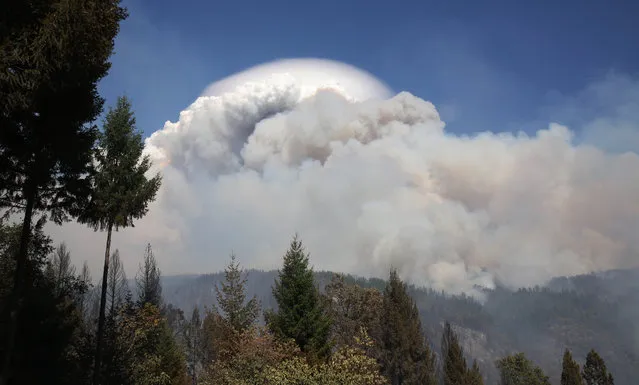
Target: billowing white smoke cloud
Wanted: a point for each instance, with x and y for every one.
(374, 183)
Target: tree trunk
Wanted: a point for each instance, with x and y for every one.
(15, 298)
(98, 347)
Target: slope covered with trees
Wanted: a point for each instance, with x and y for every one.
(592, 311)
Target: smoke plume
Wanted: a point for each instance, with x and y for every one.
(371, 183)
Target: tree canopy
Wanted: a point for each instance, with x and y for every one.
(301, 314)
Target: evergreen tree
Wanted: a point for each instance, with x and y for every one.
(231, 298)
(406, 358)
(301, 313)
(595, 371)
(175, 319)
(153, 355)
(52, 55)
(474, 375)
(570, 374)
(519, 370)
(120, 192)
(50, 349)
(148, 280)
(454, 363)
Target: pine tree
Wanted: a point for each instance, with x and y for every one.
(120, 192)
(595, 371)
(406, 358)
(231, 298)
(50, 324)
(148, 280)
(52, 55)
(518, 370)
(570, 374)
(474, 375)
(153, 356)
(301, 313)
(454, 363)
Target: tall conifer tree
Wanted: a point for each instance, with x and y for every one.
(595, 371)
(121, 191)
(148, 280)
(570, 374)
(301, 314)
(406, 358)
(454, 363)
(474, 375)
(231, 298)
(516, 369)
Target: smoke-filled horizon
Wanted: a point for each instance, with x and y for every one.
(370, 181)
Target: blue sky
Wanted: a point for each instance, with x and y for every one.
(490, 65)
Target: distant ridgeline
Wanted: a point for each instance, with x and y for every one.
(599, 311)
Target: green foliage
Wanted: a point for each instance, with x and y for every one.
(259, 358)
(348, 365)
(351, 365)
(147, 370)
(301, 313)
(454, 368)
(570, 374)
(595, 371)
(474, 376)
(518, 370)
(217, 336)
(405, 356)
(231, 298)
(121, 191)
(352, 307)
(148, 280)
(243, 358)
(154, 357)
(52, 55)
(51, 348)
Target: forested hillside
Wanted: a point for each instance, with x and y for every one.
(590, 311)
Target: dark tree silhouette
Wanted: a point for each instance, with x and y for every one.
(120, 190)
(52, 55)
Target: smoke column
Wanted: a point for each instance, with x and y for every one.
(371, 180)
